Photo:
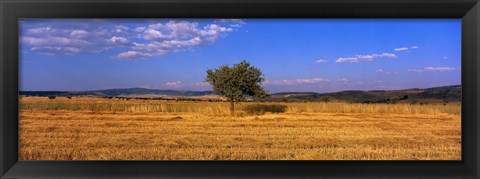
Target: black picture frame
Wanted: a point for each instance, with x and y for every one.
(12, 10)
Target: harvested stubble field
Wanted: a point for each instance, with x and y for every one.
(85, 128)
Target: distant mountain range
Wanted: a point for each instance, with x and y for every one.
(436, 94)
(119, 92)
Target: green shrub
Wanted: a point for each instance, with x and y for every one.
(263, 108)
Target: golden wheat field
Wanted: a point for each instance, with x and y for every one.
(84, 128)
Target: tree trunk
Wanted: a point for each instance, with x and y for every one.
(232, 107)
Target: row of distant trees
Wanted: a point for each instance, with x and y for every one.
(310, 99)
(393, 100)
(53, 97)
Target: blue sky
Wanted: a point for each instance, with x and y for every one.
(317, 55)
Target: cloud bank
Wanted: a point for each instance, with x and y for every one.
(139, 41)
(295, 81)
(405, 48)
(433, 69)
(371, 57)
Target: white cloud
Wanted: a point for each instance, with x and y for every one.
(52, 50)
(60, 41)
(181, 43)
(156, 47)
(350, 59)
(72, 50)
(405, 48)
(67, 40)
(439, 68)
(384, 55)
(321, 61)
(46, 47)
(163, 47)
(170, 30)
(343, 80)
(139, 29)
(401, 49)
(116, 39)
(78, 34)
(213, 32)
(120, 29)
(132, 55)
(184, 30)
(235, 23)
(311, 80)
(151, 34)
(432, 69)
(34, 41)
(381, 70)
(391, 73)
(177, 36)
(213, 29)
(295, 81)
(153, 39)
(40, 30)
(370, 57)
(445, 57)
(174, 83)
(46, 50)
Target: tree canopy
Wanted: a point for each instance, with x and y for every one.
(237, 82)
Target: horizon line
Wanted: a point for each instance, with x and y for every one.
(212, 90)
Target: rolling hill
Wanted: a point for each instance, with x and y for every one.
(119, 92)
(436, 94)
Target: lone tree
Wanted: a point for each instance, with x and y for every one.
(237, 82)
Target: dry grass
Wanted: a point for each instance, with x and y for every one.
(103, 129)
